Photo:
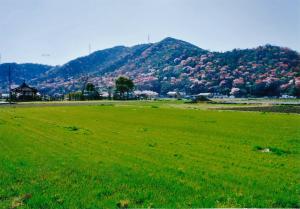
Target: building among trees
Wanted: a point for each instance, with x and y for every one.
(24, 93)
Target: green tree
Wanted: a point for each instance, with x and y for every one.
(110, 92)
(124, 85)
(75, 96)
(90, 87)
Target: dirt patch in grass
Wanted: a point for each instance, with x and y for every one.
(275, 108)
(123, 204)
(152, 144)
(20, 201)
(78, 130)
(108, 104)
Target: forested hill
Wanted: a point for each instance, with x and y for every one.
(21, 72)
(170, 65)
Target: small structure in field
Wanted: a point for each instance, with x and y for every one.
(24, 93)
(146, 94)
(175, 94)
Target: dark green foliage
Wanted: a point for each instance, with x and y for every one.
(124, 85)
(90, 92)
(72, 128)
(90, 87)
(259, 148)
(279, 151)
(75, 96)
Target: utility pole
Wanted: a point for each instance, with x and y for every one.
(9, 83)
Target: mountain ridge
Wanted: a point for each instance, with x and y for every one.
(171, 64)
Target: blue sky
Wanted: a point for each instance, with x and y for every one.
(63, 29)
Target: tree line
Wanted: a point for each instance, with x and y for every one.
(122, 90)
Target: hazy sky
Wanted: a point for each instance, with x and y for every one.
(63, 29)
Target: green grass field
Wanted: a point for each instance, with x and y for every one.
(141, 154)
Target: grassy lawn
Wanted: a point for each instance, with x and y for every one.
(147, 154)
